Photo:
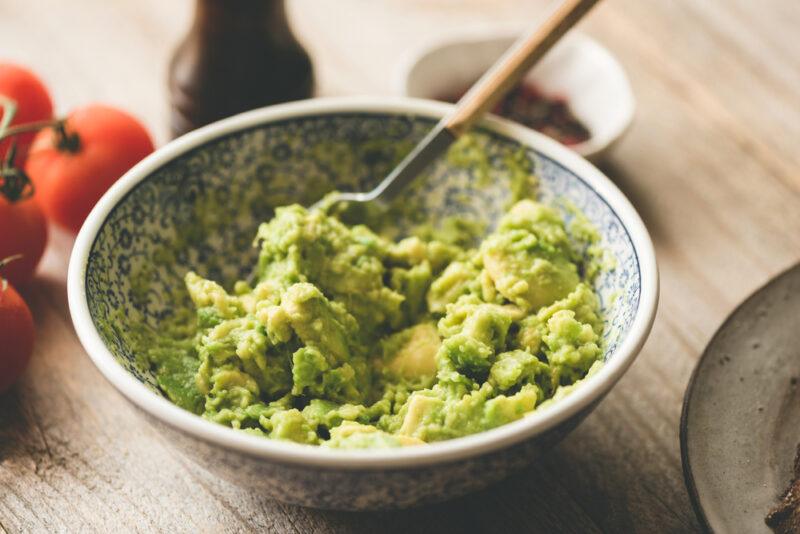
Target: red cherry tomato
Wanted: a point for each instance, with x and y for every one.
(16, 336)
(33, 104)
(71, 173)
(23, 232)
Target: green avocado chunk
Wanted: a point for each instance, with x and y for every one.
(349, 340)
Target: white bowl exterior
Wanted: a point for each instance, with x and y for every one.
(470, 446)
(577, 68)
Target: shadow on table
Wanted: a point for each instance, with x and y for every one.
(583, 485)
(636, 189)
(534, 500)
(12, 421)
(23, 443)
(21, 432)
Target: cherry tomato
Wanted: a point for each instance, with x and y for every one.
(16, 336)
(33, 104)
(72, 169)
(23, 232)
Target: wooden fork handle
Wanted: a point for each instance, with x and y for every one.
(510, 68)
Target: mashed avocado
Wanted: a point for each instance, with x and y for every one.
(348, 339)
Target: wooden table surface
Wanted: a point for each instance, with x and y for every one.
(711, 163)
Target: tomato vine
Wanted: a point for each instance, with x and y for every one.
(15, 184)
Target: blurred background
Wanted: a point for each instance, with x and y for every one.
(118, 52)
(121, 49)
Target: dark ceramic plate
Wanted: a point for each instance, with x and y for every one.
(741, 414)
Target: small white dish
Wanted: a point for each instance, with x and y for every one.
(578, 68)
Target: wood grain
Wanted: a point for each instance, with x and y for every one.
(711, 163)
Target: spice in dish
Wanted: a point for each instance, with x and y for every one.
(784, 518)
(550, 115)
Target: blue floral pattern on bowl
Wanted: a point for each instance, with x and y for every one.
(200, 212)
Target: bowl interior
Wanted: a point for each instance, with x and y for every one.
(200, 210)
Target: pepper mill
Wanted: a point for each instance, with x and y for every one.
(238, 55)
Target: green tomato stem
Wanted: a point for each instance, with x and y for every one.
(15, 185)
(3, 263)
(9, 106)
(31, 127)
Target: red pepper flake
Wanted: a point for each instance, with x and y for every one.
(550, 115)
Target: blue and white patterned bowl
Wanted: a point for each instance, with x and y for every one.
(195, 204)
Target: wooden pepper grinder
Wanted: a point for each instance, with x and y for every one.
(238, 55)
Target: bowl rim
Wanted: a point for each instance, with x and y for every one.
(277, 451)
(479, 36)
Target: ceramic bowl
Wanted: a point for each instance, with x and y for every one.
(154, 223)
(577, 68)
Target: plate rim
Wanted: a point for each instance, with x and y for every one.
(686, 465)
